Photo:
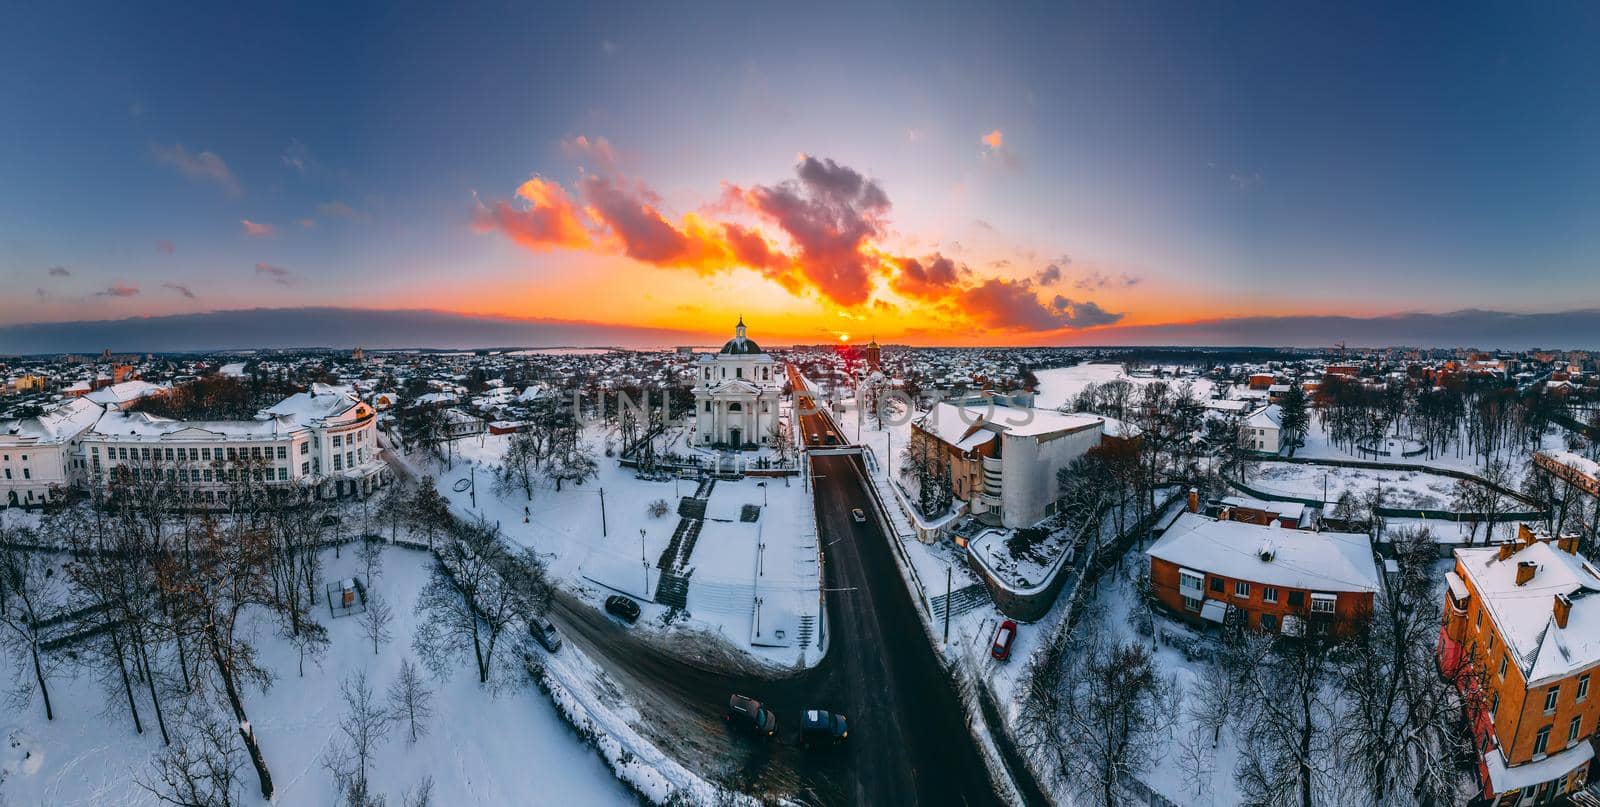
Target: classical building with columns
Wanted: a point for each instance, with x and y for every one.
(736, 394)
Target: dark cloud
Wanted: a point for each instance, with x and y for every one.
(1575, 329)
(325, 327)
(179, 288)
(1012, 305)
(205, 166)
(932, 278)
(59, 271)
(279, 275)
(1096, 280)
(119, 290)
(832, 214)
(1049, 276)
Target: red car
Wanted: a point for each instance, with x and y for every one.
(1003, 638)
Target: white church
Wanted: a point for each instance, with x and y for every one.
(736, 394)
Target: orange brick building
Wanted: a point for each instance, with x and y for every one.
(1521, 637)
(1265, 578)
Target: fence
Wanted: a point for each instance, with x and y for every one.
(1400, 512)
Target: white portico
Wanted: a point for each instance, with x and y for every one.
(736, 394)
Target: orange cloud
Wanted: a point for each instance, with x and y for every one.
(993, 139)
(817, 234)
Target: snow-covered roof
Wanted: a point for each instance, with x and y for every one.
(321, 403)
(1267, 417)
(967, 427)
(120, 424)
(125, 392)
(1315, 561)
(1525, 615)
(59, 423)
(1511, 778)
(1576, 462)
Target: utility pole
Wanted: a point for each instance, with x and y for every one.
(602, 512)
(474, 485)
(947, 605)
(644, 561)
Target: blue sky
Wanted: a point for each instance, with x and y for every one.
(1191, 161)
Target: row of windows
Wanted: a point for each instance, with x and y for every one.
(1269, 594)
(183, 454)
(198, 475)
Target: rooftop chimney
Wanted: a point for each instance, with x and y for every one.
(1506, 551)
(1525, 570)
(1568, 543)
(1194, 500)
(1525, 533)
(1563, 610)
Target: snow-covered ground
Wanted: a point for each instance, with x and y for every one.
(1416, 489)
(1057, 387)
(734, 562)
(482, 748)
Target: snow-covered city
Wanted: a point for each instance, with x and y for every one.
(712, 404)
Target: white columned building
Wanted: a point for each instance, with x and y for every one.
(736, 394)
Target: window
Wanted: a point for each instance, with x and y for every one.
(304, 447)
(1241, 589)
(1503, 661)
(1573, 728)
(1494, 705)
(1541, 741)
(231, 455)
(1480, 618)
(283, 452)
(169, 455)
(1269, 622)
(338, 462)
(1551, 697)
(338, 441)
(283, 474)
(1269, 593)
(1191, 603)
(305, 468)
(205, 453)
(1190, 580)
(1296, 599)
(1489, 643)
(1322, 603)
(1216, 584)
(255, 451)
(1583, 687)
(27, 473)
(708, 406)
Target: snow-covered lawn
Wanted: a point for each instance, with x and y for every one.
(733, 563)
(1059, 386)
(482, 748)
(1416, 489)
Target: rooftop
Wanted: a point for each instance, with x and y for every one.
(1314, 561)
(1525, 614)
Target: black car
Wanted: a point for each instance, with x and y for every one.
(822, 727)
(622, 608)
(747, 714)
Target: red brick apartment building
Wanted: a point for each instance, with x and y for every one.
(1262, 577)
(1521, 637)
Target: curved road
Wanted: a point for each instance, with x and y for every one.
(909, 740)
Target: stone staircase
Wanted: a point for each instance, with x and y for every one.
(962, 601)
(808, 626)
(673, 590)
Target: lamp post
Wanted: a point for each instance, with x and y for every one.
(644, 562)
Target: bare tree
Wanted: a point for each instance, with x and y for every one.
(1285, 719)
(410, 700)
(31, 598)
(225, 576)
(419, 796)
(376, 619)
(200, 768)
(465, 602)
(364, 727)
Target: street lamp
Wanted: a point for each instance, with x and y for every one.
(644, 562)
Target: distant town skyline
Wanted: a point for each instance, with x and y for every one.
(1101, 175)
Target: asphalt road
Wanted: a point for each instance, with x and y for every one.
(909, 743)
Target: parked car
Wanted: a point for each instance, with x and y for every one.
(747, 714)
(544, 633)
(822, 727)
(622, 608)
(859, 516)
(1003, 637)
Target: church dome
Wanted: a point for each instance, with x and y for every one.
(739, 345)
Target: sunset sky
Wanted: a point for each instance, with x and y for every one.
(1057, 174)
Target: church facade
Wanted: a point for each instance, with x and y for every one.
(736, 394)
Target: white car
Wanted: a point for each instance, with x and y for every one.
(860, 517)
